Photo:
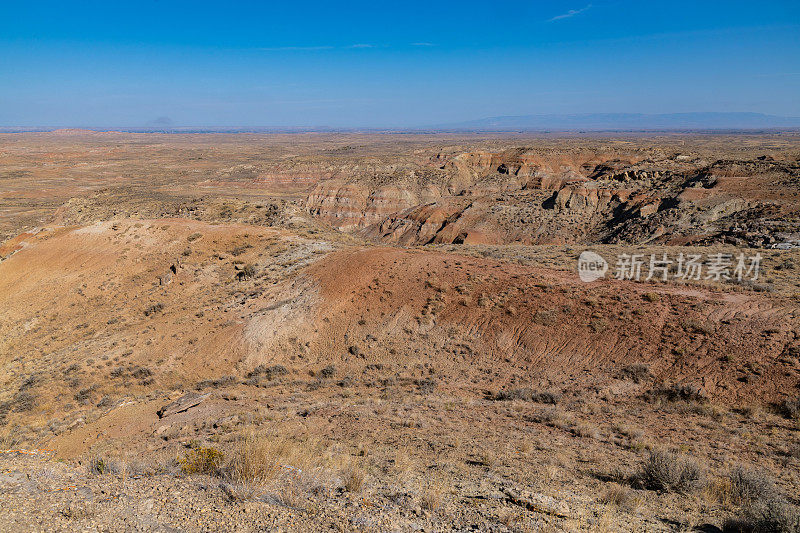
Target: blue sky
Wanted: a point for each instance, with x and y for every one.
(389, 64)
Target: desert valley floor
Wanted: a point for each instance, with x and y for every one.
(386, 332)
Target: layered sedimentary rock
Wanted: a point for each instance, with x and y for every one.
(351, 206)
(531, 197)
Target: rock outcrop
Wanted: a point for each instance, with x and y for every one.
(530, 197)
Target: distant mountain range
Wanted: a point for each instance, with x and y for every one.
(515, 123)
(625, 121)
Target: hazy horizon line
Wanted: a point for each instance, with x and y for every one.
(542, 122)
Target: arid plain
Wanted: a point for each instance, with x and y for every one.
(388, 332)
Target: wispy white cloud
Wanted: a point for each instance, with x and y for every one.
(777, 74)
(294, 48)
(422, 44)
(315, 48)
(570, 13)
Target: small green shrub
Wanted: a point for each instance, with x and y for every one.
(102, 465)
(201, 460)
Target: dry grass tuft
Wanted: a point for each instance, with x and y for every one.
(256, 458)
(432, 493)
(10, 438)
(259, 458)
(622, 497)
(586, 430)
(353, 477)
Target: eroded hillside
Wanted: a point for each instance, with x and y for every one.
(581, 196)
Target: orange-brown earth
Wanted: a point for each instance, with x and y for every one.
(467, 386)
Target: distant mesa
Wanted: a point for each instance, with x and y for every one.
(161, 122)
(72, 131)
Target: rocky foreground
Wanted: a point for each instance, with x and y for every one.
(43, 495)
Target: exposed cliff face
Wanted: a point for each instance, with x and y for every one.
(351, 206)
(420, 224)
(533, 198)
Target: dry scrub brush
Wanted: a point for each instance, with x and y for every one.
(764, 507)
(670, 472)
(748, 485)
